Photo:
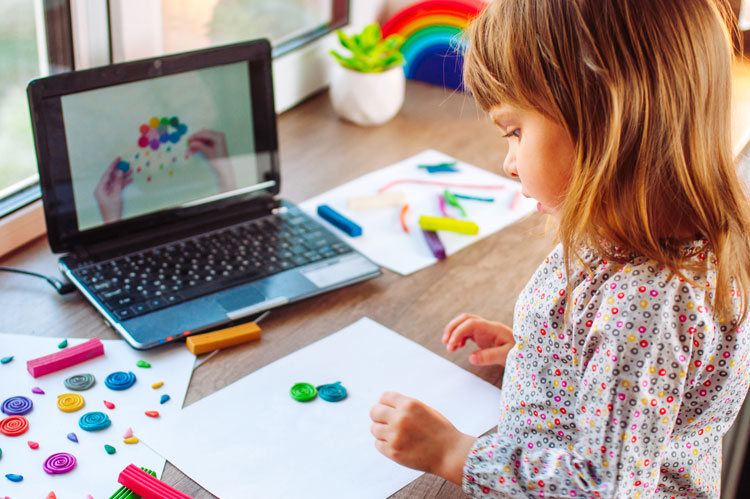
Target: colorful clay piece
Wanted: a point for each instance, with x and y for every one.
(33, 445)
(37, 390)
(17, 406)
(147, 486)
(14, 478)
(143, 363)
(158, 384)
(94, 421)
(152, 414)
(110, 450)
(13, 426)
(70, 402)
(1, 452)
(80, 382)
(303, 392)
(5, 360)
(63, 343)
(163, 398)
(109, 405)
(65, 358)
(128, 433)
(60, 463)
(72, 437)
(51, 495)
(332, 392)
(120, 380)
(131, 440)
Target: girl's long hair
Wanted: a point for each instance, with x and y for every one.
(643, 89)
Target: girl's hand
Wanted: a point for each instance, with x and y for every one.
(494, 339)
(417, 436)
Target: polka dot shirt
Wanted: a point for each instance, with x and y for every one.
(629, 397)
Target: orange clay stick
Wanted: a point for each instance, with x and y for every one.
(404, 209)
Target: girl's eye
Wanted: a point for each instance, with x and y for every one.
(513, 133)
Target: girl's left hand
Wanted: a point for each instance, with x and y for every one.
(417, 436)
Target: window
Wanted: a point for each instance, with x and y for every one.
(34, 41)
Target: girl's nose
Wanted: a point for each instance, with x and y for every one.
(509, 165)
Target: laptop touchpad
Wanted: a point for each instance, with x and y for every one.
(240, 297)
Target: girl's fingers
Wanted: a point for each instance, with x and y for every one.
(455, 322)
(391, 399)
(380, 413)
(379, 431)
(491, 356)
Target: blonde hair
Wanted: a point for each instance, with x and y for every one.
(643, 89)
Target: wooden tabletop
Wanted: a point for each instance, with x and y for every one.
(318, 152)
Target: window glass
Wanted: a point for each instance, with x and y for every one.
(19, 60)
(192, 24)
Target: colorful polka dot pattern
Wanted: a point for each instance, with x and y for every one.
(161, 131)
(630, 397)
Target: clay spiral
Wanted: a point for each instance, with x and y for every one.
(332, 392)
(120, 380)
(59, 463)
(94, 421)
(14, 426)
(80, 382)
(70, 402)
(17, 406)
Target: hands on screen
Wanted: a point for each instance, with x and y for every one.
(108, 192)
(213, 146)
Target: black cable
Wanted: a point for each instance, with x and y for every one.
(62, 288)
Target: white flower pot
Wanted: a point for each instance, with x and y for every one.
(367, 98)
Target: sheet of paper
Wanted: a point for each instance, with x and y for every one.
(96, 471)
(251, 439)
(383, 240)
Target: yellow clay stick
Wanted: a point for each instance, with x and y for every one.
(449, 224)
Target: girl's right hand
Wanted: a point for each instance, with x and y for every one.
(494, 339)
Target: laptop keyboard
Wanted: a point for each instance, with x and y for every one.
(138, 283)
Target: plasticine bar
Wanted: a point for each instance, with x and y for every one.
(147, 486)
(434, 243)
(449, 224)
(65, 358)
(223, 338)
(125, 493)
(384, 200)
(335, 218)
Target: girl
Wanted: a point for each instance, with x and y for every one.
(627, 360)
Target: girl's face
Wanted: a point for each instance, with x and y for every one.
(540, 154)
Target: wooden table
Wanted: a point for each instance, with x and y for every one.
(318, 152)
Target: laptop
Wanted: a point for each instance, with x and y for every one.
(160, 182)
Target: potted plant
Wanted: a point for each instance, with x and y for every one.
(367, 87)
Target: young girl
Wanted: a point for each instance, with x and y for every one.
(627, 361)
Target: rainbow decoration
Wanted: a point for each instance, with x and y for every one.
(432, 29)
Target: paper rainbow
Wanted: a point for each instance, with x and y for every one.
(432, 29)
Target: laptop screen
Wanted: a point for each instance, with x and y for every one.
(133, 147)
(144, 146)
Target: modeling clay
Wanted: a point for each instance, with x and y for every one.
(80, 382)
(13, 426)
(65, 358)
(120, 380)
(303, 392)
(94, 421)
(332, 392)
(17, 406)
(60, 463)
(70, 402)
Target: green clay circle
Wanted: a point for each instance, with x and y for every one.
(303, 392)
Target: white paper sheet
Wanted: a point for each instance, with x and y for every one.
(383, 240)
(251, 439)
(96, 471)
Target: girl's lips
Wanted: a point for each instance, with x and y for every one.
(539, 207)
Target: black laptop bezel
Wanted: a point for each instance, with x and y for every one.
(45, 94)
